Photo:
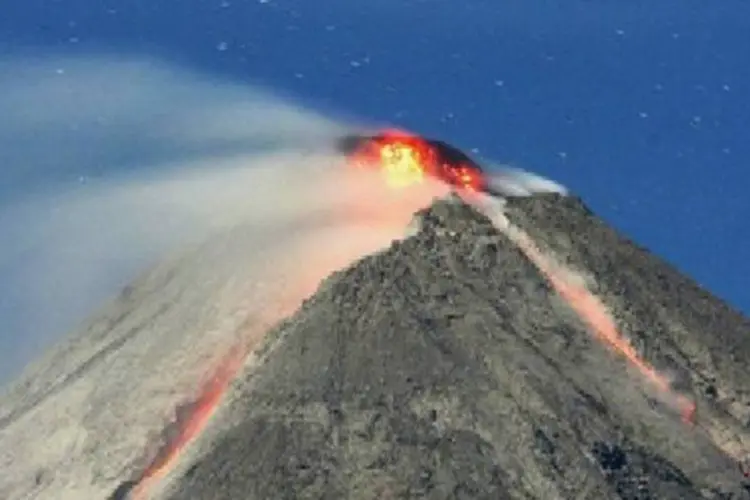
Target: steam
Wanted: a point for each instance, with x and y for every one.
(512, 181)
(109, 164)
(113, 165)
(121, 161)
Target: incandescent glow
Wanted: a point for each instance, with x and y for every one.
(595, 315)
(466, 178)
(402, 164)
(403, 159)
(592, 311)
(191, 420)
(406, 160)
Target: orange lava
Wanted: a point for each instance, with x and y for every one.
(406, 159)
(402, 164)
(192, 422)
(594, 313)
(403, 158)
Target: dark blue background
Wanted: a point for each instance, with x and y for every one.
(642, 107)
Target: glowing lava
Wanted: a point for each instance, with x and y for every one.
(191, 420)
(465, 177)
(402, 164)
(591, 310)
(403, 159)
(406, 159)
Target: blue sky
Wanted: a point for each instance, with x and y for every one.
(641, 107)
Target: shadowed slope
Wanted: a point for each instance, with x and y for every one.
(447, 367)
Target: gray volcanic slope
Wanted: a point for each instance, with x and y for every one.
(447, 367)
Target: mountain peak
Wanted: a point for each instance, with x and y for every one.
(447, 366)
(520, 350)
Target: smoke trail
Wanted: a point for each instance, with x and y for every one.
(111, 164)
(511, 181)
(123, 161)
(588, 306)
(120, 161)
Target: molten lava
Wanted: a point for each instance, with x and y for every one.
(402, 164)
(403, 159)
(406, 159)
(465, 177)
(594, 313)
(191, 419)
(591, 310)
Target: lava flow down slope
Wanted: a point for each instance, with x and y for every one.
(520, 349)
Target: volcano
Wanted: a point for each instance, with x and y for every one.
(543, 357)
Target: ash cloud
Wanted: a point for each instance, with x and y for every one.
(111, 162)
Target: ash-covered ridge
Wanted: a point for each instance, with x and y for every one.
(447, 367)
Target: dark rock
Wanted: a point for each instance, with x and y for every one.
(123, 491)
(447, 367)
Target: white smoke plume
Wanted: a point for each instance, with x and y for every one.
(113, 165)
(110, 163)
(513, 181)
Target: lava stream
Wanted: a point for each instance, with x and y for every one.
(592, 311)
(191, 420)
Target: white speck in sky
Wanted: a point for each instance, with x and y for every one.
(643, 114)
(224, 4)
(620, 32)
(222, 46)
(358, 63)
(449, 116)
(726, 88)
(499, 83)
